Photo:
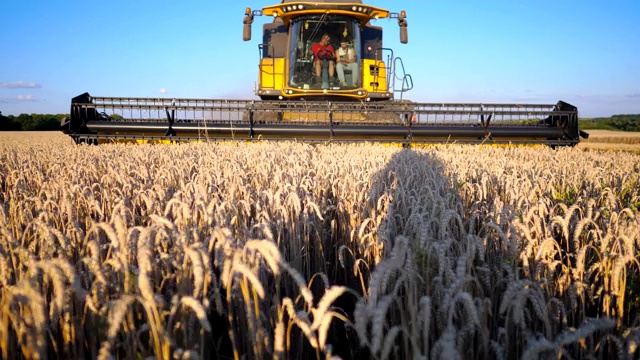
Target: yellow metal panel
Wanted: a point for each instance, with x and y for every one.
(271, 75)
(374, 78)
(310, 8)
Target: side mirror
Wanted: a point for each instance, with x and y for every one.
(404, 35)
(402, 23)
(246, 28)
(246, 32)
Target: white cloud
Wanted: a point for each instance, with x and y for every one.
(18, 99)
(163, 91)
(20, 85)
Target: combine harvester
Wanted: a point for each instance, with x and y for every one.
(304, 98)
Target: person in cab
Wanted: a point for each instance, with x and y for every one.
(324, 61)
(346, 60)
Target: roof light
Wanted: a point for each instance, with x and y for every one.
(354, 8)
(289, 8)
(300, 7)
(360, 8)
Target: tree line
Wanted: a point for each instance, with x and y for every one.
(30, 122)
(627, 122)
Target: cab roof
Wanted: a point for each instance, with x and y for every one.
(325, 1)
(287, 10)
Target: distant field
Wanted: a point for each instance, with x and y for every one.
(35, 137)
(611, 140)
(613, 137)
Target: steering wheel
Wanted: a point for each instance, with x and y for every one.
(325, 54)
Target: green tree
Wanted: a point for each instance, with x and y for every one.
(630, 122)
(8, 123)
(40, 122)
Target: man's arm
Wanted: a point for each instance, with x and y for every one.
(345, 59)
(333, 52)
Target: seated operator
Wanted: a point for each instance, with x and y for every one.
(346, 60)
(324, 56)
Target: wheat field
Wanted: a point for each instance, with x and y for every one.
(612, 141)
(296, 251)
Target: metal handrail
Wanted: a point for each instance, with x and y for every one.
(406, 79)
(273, 64)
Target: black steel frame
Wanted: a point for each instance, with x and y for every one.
(94, 118)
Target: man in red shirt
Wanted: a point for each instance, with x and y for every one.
(324, 57)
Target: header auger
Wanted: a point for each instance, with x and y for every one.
(323, 75)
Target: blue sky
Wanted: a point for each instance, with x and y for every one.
(584, 52)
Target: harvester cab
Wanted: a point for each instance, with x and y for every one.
(327, 50)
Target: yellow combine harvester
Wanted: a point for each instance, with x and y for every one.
(323, 75)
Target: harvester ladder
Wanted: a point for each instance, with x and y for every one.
(392, 65)
(379, 54)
